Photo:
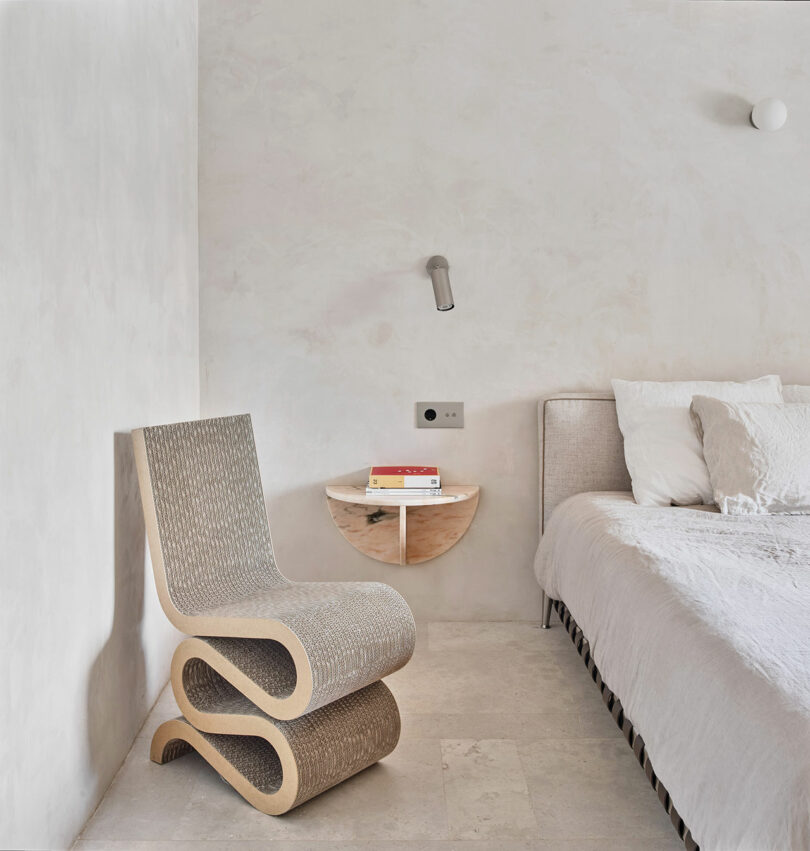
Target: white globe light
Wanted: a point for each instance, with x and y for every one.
(769, 114)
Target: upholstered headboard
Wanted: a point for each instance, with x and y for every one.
(581, 448)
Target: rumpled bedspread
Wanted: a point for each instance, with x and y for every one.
(700, 623)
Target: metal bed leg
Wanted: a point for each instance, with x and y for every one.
(547, 601)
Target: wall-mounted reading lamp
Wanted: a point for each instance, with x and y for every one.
(437, 269)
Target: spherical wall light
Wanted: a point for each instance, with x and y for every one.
(769, 114)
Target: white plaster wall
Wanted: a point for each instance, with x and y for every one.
(98, 334)
(588, 169)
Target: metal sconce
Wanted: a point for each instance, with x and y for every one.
(437, 269)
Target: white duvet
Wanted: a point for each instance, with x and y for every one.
(700, 623)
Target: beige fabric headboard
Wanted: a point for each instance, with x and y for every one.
(581, 448)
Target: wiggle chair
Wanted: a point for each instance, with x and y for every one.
(280, 687)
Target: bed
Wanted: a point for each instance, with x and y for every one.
(696, 628)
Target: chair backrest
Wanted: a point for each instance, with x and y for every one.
(205, 512)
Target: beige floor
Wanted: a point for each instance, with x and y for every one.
(469, 773)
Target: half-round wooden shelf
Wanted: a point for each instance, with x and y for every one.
(406, 529)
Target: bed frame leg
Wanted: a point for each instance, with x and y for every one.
(547, 601)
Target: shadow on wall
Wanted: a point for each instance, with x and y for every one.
(304, 550)
(727, 109)
(116, 695)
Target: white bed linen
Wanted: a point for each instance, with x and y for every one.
(700, 623)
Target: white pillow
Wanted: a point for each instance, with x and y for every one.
(796, 392)
(758, 455)
(661, 445)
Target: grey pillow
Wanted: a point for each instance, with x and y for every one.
(758, 455)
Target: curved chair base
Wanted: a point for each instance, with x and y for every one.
(277, 765)
(261, 669)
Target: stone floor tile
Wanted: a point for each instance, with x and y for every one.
(485, 790)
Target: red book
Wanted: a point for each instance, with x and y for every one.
(405, 471)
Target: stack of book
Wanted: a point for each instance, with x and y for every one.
(404, 481)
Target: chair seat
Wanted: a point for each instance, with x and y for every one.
(293, 601)
(352, 633)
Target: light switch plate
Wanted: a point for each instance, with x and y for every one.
(440, 414)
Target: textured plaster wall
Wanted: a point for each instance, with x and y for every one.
(98, 334)
(590, 173)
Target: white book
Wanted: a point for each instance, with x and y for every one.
(403, 492)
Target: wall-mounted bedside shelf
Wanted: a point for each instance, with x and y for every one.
(402, 530)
